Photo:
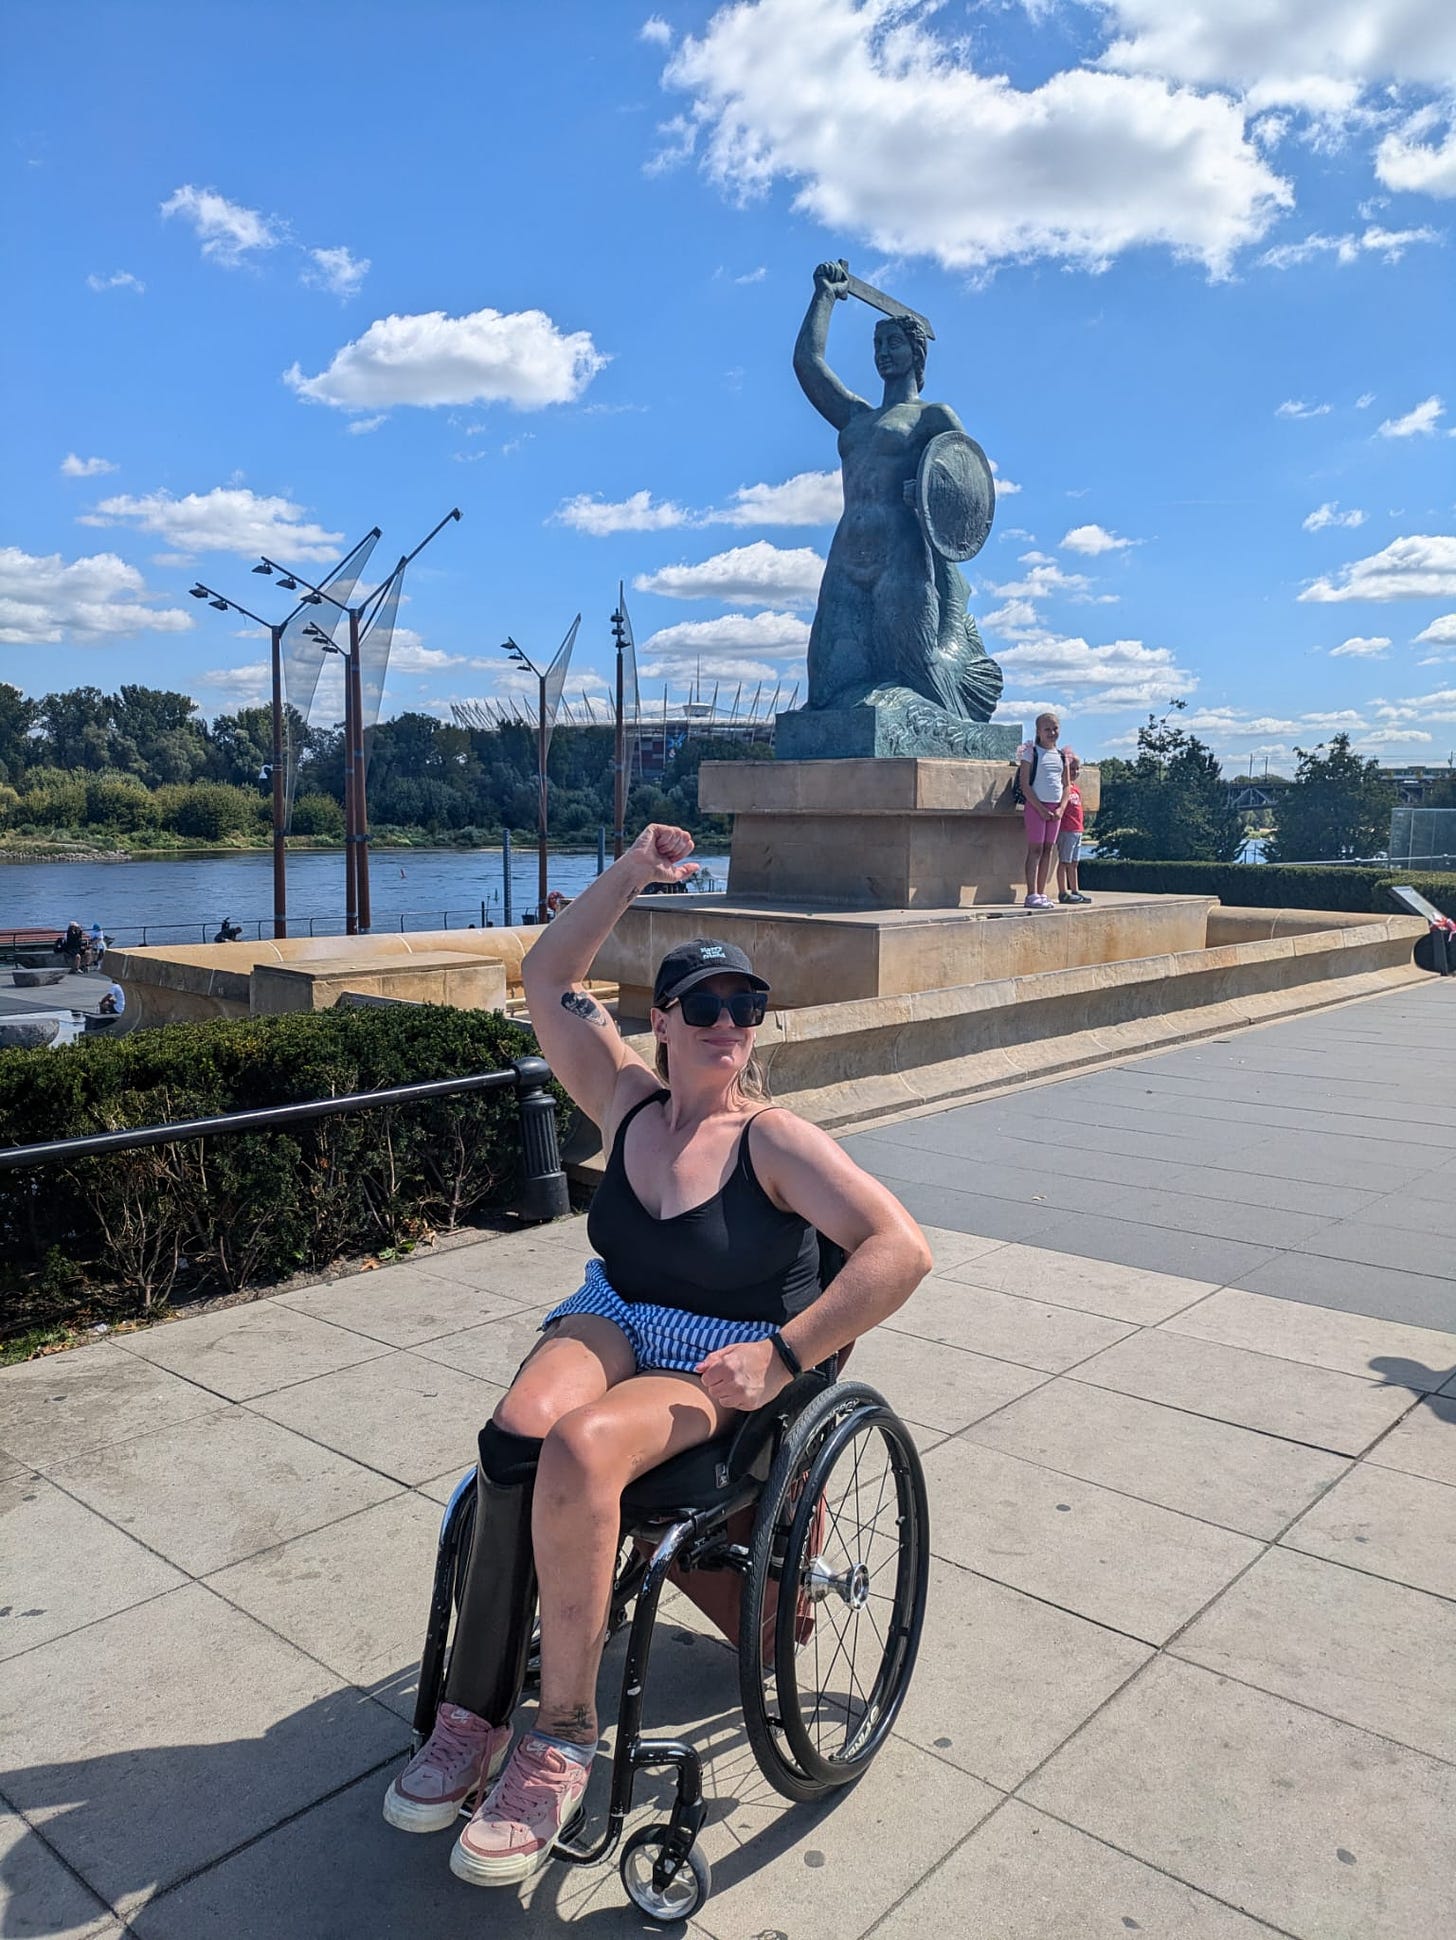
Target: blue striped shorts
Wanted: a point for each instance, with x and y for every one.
(660, 1337)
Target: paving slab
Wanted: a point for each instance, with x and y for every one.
(166, 1735)
(1394, 1525)
(971, 1212)
(212, 1491)
(945, 1389)
(1320, 1829)
(400, 1305)
(492, 1352)
(1424, 1443)
(247, 1351)
(57, 1406)
(950, 1248)
(1128, 1293)
(1425, 1208)
(1387, 1292)
(1339, 1412)
(1003, 1326)
(38, 1895)
(1025, 1876)
(354, 1595)
(62, 1567)
(1003, 1678)
(1356, 1647)
(1162, 1249)
(405, 1416)
(530, 1271)
(1350, 1343)
(1138, 1568)
(1245, 1481)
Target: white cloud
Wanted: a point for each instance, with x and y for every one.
(1093, 539)
(44, 599)
(753, 275)
(229, 233)
(601, 517)
(361, 427)
(756, 575)
(1388, 244)
(1441, 632)
(1419, 422)
(1315, 54)
(887, 130)
(1042, 582)
(242, 685)
(1124, 673)
(518, 358)
(408, 654)
(226, 519)
(1405, 161)
(808, 498)
(1420, 567)
(336, 270)
(1004, 486)
(74, 467)
(766, 634)
(1359, 647)
(1294, 407)
(1330, 514)
(1365, 400)
(119, 279)
(1017, 616)
(655, 31)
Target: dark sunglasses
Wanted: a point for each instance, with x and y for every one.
(701, 1009)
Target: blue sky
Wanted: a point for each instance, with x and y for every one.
(288, 272)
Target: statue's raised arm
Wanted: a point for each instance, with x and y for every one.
(830, 397)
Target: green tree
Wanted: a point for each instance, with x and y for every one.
(76, 729)
(17, 717)
(120, 802)
(318, 815)
(1338, 806)
(209, 811)
(1170, 804)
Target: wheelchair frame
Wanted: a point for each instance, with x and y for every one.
(693, 1538)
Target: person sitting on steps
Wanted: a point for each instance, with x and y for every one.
(705, 1303)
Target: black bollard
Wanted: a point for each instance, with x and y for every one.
(544, 1193)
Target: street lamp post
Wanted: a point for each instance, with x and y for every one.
(619, 740)
(358, 914)
(275, 637)
(509, 647)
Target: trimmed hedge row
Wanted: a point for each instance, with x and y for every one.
(1270, 885)
(122, 1234)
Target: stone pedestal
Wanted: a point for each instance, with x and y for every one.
(881, 733)
(872, 834)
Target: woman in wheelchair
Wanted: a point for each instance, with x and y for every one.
(706, 1304)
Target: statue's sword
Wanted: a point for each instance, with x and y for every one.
(890, 306)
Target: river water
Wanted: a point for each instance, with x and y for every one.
(182, 899)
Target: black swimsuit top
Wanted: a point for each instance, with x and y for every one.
(735, 1257)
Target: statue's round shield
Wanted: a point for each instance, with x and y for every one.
(955, 495)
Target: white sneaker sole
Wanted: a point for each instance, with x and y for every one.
(434, 1815)
(512, 1871)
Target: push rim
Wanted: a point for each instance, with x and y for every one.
(857, 1560)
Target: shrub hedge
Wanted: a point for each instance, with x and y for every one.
(1268, 885)
(122, 1234)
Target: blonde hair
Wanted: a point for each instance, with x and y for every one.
(749, 1087)
(1055, 720)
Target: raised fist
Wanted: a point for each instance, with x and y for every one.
(833, 277)
(663, 851)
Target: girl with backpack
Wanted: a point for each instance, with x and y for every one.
(1044, 777)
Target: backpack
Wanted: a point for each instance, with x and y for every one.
(1018, 799)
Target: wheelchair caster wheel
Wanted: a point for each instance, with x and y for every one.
(682, 1896)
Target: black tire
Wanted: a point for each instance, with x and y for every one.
(846, 1439)
(691, 1884)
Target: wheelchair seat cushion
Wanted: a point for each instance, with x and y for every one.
(702, 1477)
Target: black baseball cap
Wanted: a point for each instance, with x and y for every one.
(690, 964)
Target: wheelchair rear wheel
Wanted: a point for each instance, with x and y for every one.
(834, 1595)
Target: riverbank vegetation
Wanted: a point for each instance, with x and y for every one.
(141, 772)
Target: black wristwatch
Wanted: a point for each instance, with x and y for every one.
(786, 1354)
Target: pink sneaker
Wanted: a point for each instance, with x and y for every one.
(459, 1759)
(536, 1799)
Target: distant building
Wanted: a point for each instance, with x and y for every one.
(661, 729)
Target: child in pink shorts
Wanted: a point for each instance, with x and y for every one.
(1044, 773)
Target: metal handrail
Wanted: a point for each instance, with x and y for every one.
(544, 1191)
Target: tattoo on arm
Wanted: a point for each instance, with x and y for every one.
(587, 1008)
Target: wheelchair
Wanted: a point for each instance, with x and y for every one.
(817, 1505)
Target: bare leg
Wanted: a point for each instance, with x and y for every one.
(1063, 875)
(1044, 866)
(1033, 863)
(589, 1458)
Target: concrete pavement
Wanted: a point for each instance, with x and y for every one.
(1185, 1384)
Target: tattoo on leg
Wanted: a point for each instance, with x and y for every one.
(580, 1005)
(576, 1726)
